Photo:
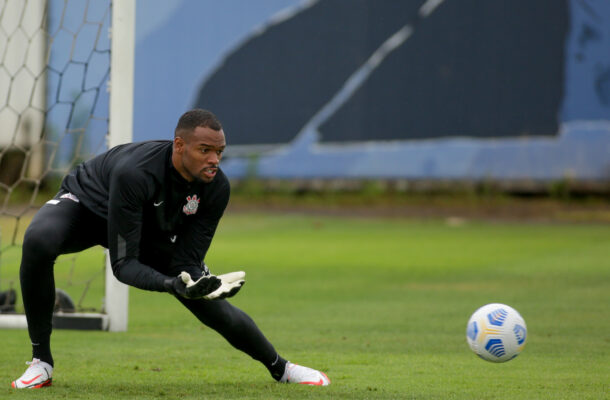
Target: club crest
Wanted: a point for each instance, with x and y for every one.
(192, 203)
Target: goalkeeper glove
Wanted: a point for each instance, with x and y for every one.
(230, 285)
(184, 286)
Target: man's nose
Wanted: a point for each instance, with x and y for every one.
(214, 158)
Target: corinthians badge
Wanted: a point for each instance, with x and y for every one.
(192, 203)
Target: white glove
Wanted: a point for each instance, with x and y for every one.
(229, 286)
(184, 286)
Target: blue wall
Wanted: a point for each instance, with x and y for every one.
(296, 80)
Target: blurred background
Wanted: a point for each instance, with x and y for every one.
(506, 90)
(401, 96)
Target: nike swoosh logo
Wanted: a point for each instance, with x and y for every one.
(158, 204)
(173, 239)
(31, 380)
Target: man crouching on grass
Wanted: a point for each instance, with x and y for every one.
(155, 205)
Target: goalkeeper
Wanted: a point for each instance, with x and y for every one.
(155, 205)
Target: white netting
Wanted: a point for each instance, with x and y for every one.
(54, 70)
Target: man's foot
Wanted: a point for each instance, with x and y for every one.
(37, 375)
(306, 376)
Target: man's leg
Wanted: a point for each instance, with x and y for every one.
(243, 334)
(239, 330)
(61, 226)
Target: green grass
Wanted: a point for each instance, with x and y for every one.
(380, 305)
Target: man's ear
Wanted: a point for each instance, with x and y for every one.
(179, 144)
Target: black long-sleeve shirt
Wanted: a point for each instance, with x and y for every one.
(157, 221)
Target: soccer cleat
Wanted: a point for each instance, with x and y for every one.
(37, 375)
(306, 376)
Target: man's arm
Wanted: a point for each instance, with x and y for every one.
(128, 192)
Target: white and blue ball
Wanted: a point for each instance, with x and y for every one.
(496, 332)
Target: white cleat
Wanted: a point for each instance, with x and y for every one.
(39, 374)
(306, 376)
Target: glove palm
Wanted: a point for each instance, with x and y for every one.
(230, 284)
(184, 286)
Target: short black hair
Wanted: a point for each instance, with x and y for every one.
(194, 118)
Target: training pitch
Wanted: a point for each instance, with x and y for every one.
(380, 305)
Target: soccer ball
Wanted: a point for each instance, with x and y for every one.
(496, 332)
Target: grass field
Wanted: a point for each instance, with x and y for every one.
(381, 305)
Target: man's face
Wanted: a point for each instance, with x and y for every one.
(197, 155)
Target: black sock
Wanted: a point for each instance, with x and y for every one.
(277, 368)
(42, 351)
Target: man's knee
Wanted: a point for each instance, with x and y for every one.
(42, 242)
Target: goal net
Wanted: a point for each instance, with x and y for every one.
(57, 64)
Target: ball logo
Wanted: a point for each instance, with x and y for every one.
(497, 317)
(472, 331)
(520, 333)
(495, 347)
(192, 203)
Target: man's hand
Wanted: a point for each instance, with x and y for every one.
(231, 283)
(184, 286)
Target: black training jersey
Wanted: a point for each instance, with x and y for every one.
(155, 217)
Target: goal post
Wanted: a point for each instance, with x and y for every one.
(120, 131)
